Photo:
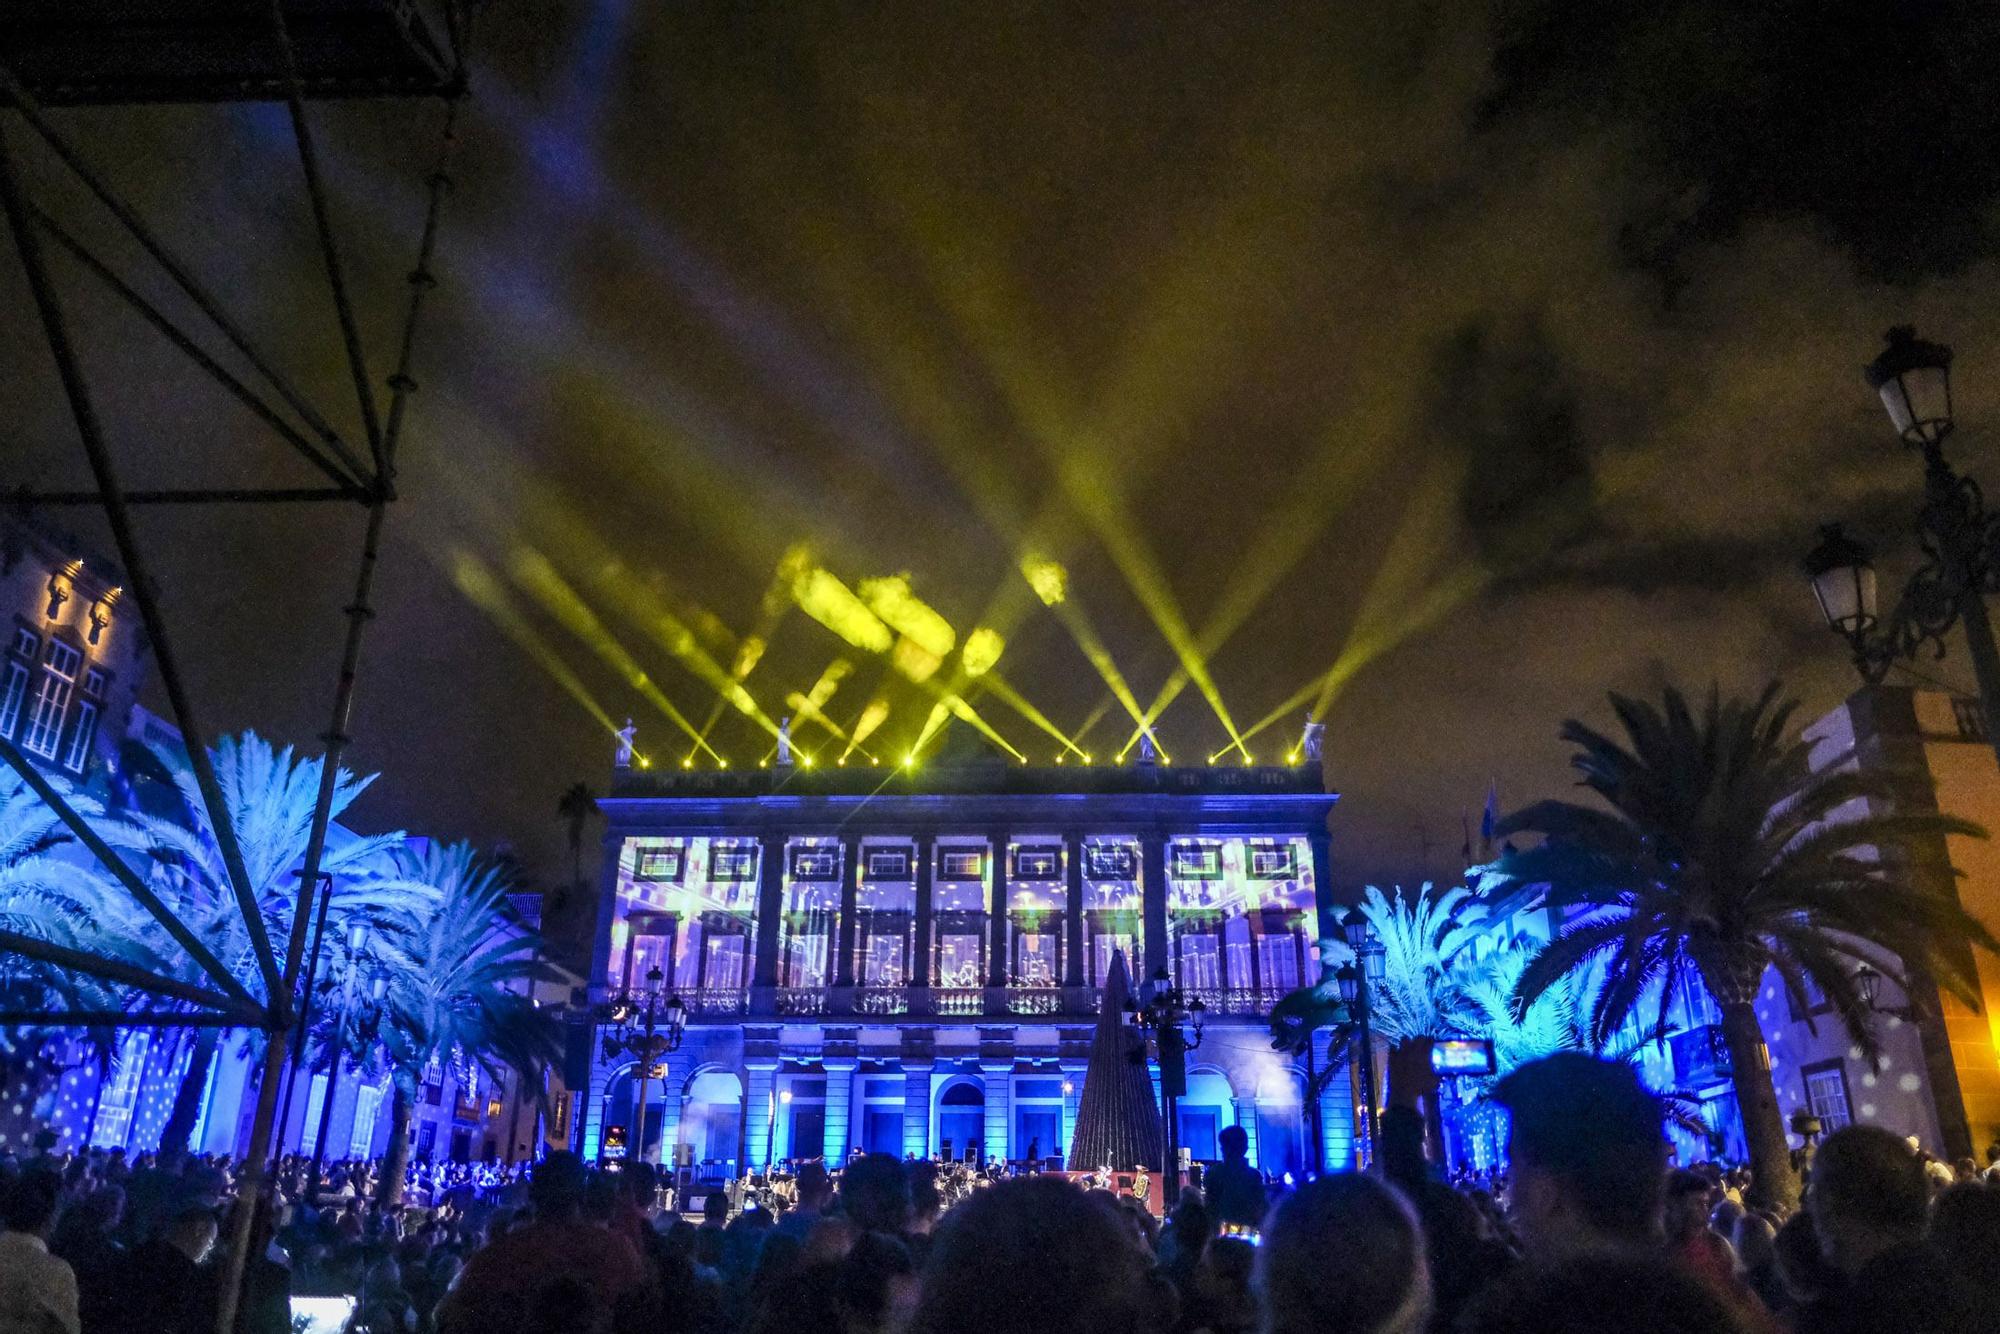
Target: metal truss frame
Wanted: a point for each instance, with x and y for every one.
(360, 474)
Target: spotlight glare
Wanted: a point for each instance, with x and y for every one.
(910, 760)
(806, 761)
(687, 763)
(722, 763)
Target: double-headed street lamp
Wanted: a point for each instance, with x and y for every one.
(648, 1025)
(1173, 1022)
(1959, 538)
(1355, 985)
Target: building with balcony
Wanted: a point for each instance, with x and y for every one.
(910, 960)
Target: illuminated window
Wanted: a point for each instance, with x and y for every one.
(26, 644)
(80, 737)
(1038, 863)
(367, 1107)
(888, 864)
(734, 863)
(1826, 1094)
(816, 863)
(962, 863)
(93, 682)
(45, 720)
(13, 690)
(1273, 863)
(1110, 861)
(1197, 861)
(658, 865)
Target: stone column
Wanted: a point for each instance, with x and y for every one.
(1073, 917)
(1326, 913)
(759, 1102)
(917, 1107)
(996, 925)
(999, 1107)
(840, 1128)
(1072, 1073)
(922, 966)
(770, 921)
(844, 933)
(1153, 877)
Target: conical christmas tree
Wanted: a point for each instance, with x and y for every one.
(1117, 1120)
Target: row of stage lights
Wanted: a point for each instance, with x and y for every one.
(805, 761)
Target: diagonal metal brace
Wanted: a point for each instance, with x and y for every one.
(126, 876)
(251, 1015)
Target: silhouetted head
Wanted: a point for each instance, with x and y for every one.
(1628, 1291)
(1343, 1255)
(875, 1193)
(1868, 1193)
(1587, 1154)
(31, 1201)
(1965, 1225)
(557, 1187)
(1235, 1143)
(1036, 1255)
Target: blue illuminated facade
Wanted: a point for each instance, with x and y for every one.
(910, 961)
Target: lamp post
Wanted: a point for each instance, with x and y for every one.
(1355, 985)
(1958, 536)
(1174, 1023)
(648, 1025)
(771, 1132)
(365, 1026)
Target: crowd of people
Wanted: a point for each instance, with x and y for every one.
(1590, 1230)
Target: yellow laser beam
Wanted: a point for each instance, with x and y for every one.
(531, 571)
(998, 686)
(873, 715)
(483, 589)
(903, 611)
(821, 595)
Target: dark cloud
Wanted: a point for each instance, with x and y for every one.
(1558, 306)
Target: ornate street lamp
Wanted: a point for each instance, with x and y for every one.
(1869, 983)
(1355, 985)
(647, 1025)
(1174, 1023)
(1959, 539)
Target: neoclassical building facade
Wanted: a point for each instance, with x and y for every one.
(910, 960)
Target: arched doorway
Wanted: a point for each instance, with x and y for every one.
(1203, 1111)
(712, 1122)
(962, 1120)
(1281, 1125)
(621, 1115)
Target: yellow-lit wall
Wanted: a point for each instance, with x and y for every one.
(1967, 778)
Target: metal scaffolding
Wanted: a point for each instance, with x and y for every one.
(137, 53)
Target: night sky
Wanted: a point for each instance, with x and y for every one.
(1502, 356)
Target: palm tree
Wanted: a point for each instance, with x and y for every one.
(452, 957)
(1716, 853)
(574, 808)
(268, 796)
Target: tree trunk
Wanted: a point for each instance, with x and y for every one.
(396, 1156)
(1775, 1185)
(179, 1128)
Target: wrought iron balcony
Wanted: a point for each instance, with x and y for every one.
(1701, 1056)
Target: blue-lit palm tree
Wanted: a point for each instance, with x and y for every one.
(461, 966)
(1716, 852)
(50, 893)
(268, 794)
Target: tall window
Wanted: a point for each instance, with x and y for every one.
(13, 690)
(45, 720)
(77, 754)
(1826, 1094)
(367, 1106)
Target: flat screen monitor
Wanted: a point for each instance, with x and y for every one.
(1462, 1056)
(321, 1315)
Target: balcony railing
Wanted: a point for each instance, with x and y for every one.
(882, 1000)
(801, 1000)
(1237, 1000)
(1034, 1000)
(959, 1000)
(708, 1002)
(1701, 1056)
